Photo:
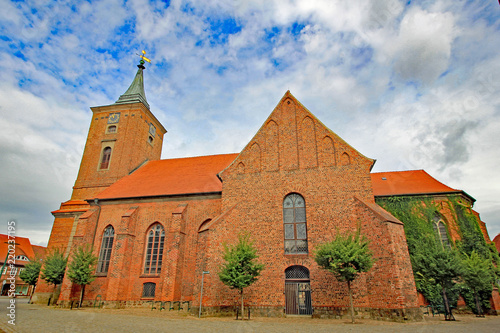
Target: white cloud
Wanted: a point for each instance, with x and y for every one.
(423, 47)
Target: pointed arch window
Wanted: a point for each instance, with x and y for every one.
(106, 247)
(106, 156)
(154, 249)
(294, 224)
(440, 230)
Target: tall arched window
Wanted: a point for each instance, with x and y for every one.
(106, 247)
(154, 249)
(440, 229)
(294, 224)
(106, 156)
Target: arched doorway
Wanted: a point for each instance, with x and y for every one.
(297, 291)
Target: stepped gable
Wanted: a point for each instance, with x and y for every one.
(178, 176)
(292, 138)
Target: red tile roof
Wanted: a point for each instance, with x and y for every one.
(72, 206)
(407, 182)
(382, 213)
(39, 251)
(22, 247)
(176, 176)
(191, 175)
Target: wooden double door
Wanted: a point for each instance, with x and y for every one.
(298, 298)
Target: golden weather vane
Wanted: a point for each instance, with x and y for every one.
(143, 59)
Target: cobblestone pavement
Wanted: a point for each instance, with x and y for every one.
(39, 318)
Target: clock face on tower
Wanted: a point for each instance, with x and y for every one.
(152, 129)
(113, 118)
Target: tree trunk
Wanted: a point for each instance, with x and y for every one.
(478, 305)
(53, 294)
(81, 296)
(32, 292)
(241, 304)
(448, 315)
(350, 300)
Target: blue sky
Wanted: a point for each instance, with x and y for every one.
(412, 84)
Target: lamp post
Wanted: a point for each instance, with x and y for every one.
(201, 292)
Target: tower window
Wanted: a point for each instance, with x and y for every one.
(154, 249)
(150, 139)
(294, 224)
(106, 156)
(111, 129)
(106, 247)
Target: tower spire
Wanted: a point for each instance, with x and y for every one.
(135, 93)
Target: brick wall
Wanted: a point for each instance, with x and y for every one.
(180, 219)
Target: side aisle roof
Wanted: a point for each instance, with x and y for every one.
(176, 176)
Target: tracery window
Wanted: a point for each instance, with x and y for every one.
(106, 247)
(148, 290)
(106, 156)
(294, 224)
(154, 249)
(440, 230)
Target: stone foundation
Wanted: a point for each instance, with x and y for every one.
(399, 315)
(177, 306)
(323, 312)
(230, 311)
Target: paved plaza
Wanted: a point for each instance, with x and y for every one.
(40, 318)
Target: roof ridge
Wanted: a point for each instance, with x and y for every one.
(401, 171)
(181, 158)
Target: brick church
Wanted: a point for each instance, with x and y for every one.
(157, 225)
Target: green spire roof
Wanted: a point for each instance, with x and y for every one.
(135, 93)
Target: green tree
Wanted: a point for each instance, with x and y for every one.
(81, 268)
(53, 268)
(442, 265)
(240, 268)
(31, 273)
(346, 257)
(478, 274)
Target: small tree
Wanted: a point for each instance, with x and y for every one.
(478, 274)
(31, 273)
(345, 257)
(240, 268)
(81, 268)
(53, 268)
(443, 265)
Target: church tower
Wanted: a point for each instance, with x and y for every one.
(122, 137)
